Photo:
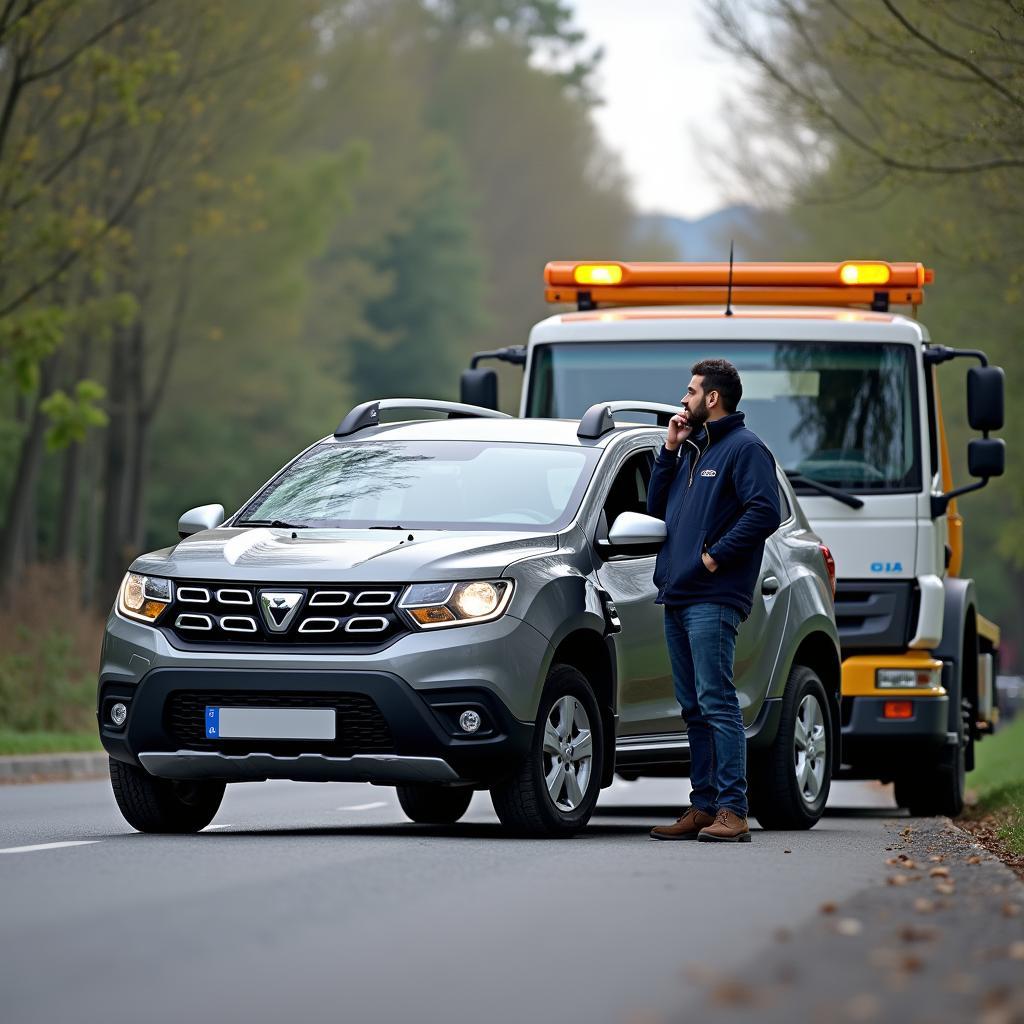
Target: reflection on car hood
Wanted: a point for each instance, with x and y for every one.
(314, 556)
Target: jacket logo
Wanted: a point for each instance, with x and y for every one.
(709, 472)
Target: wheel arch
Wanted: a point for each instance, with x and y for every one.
(960, 638)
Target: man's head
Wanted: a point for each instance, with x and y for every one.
(714, 392)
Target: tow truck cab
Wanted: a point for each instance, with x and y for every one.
(845, 394)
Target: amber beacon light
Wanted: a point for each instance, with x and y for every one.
(872, 284)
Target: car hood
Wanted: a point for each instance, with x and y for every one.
(264, 555)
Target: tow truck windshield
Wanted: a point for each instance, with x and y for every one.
(841, 414)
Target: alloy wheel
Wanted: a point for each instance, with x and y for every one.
(810, 753)
(568, 753)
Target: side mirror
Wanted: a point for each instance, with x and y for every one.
(479, 387)
(204, 517)
(986, 457)
(985, 389)
(633, 529)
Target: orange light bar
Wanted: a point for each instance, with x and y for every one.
(850, 283)
(898, 709)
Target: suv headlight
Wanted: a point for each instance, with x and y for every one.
(144, 597)
(432, 605)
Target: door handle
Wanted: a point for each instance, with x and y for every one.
(770, 585)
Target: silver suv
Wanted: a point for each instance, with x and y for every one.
(447, 605)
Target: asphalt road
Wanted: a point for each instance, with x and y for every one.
(308, 902)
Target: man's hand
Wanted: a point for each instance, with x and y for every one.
(678, 431)
(709, 563)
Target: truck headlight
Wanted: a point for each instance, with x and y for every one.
(908, 678)
(431, 605)
(144, 597)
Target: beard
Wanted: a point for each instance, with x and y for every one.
(698, 414)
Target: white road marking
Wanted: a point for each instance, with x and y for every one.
(210, 828)
(49, 846)
(362, 807)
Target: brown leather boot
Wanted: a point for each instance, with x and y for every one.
(686, 827)
(727, 828)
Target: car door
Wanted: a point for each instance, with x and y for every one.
(760, 637)
(647, 703)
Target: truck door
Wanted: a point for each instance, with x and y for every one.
(647, 701)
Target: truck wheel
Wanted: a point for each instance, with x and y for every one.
(555, 789)
(938, 788)
(157, 805)
(789, 782)
(434, 805)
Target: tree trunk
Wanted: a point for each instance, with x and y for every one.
(138, 440)
(116, 468)
(69, 512)
(17, 522)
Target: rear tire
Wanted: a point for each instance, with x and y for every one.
(938, 788)
(789, 782)
(163, 806)
(434, 805)
(540, 799)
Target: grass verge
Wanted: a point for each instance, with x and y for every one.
(15, 743)
(995, 812)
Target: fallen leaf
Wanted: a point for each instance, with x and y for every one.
(827, 908)
(787, 851)
(914, 933)
(897, 880)
(849, 926)
(911, 963)
(733, 992)
(1011, 909)
(923, 906)
(939, 873)
(974, 860)
(1017, 950)
(945, 888)
(937, 858)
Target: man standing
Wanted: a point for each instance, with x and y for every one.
(719, 498)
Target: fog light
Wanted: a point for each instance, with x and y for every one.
(118, 713)
(898, 709)
(469, 721)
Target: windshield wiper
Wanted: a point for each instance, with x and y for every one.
(275, 523)
(833, 492)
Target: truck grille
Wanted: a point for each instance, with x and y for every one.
(248, 615)
(876, 615)
(360, 728)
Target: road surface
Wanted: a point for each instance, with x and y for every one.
(308, 902)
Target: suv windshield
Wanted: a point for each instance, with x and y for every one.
(844, 414)
(467, 485)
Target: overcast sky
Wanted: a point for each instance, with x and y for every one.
(663, 85)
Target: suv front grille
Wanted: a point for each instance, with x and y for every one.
(324, 615)
(360, 727)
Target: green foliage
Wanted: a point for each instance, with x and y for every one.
(997, 783)
(16, 743)
(71, 416)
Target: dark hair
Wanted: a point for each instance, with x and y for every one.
(721, 376)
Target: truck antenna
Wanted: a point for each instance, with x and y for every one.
(728, 294)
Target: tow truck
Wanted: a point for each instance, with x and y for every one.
(844, 391)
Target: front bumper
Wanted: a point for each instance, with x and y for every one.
(396, 710)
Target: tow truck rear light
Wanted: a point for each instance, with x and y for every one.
(830, 566)
(898, 709)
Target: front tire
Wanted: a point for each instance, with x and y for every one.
(163, 806)
(434, 805)
(789, 782)
(555, 788)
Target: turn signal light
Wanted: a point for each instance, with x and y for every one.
(898, 709)
(864, 273)
(598, 273)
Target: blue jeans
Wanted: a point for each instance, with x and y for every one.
(701, 646)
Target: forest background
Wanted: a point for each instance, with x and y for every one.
(223, 223)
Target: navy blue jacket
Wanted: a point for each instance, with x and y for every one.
(718, 493)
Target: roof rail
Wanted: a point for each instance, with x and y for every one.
(600, 418)
(368, 414)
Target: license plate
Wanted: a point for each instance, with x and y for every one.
(270, 723)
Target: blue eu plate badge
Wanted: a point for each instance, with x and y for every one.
(213, 723)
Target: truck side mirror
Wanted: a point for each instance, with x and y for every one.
(986, 457)
(985, 389)
(203, 517)
(480, 388)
